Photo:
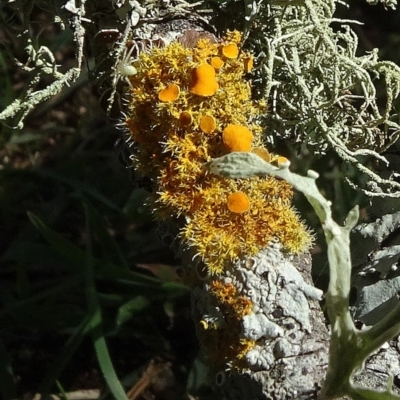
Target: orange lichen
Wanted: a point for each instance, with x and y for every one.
(237, 138)
(216, 62)
(174, 140)
(225, 346)
(207, 124)
(236, 306)
(170, 93)
(245, 345)
(185, 118)
(230, 50)
(204, 81)
(283, 162)
(238, 202)
(248, 64)
(263, 153)
(225, 293)
(223, 343)
(270, 216)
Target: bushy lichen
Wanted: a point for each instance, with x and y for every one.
(322, 92)
(182, 112)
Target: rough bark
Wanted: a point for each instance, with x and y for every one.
(290, 357)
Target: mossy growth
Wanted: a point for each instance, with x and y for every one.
(186, 106)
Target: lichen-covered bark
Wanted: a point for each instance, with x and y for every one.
(290, 354)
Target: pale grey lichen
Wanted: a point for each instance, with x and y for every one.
(387, 3)
(273, 283)
(285, 323)
(256, 326)
(282, 322)
(322, 94)
(146, 17)
(41, 63)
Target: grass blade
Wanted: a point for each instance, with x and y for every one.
(104, 359)
(99, 341)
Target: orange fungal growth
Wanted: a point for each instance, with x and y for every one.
(238, 202)
(283, 162)
(185, 118)
(217, 62)
(237, 138)
(204, 81)
(170, 93)
(248, 64)
(263, 153)
(207, 124)
(230, 50)
(227, 296)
